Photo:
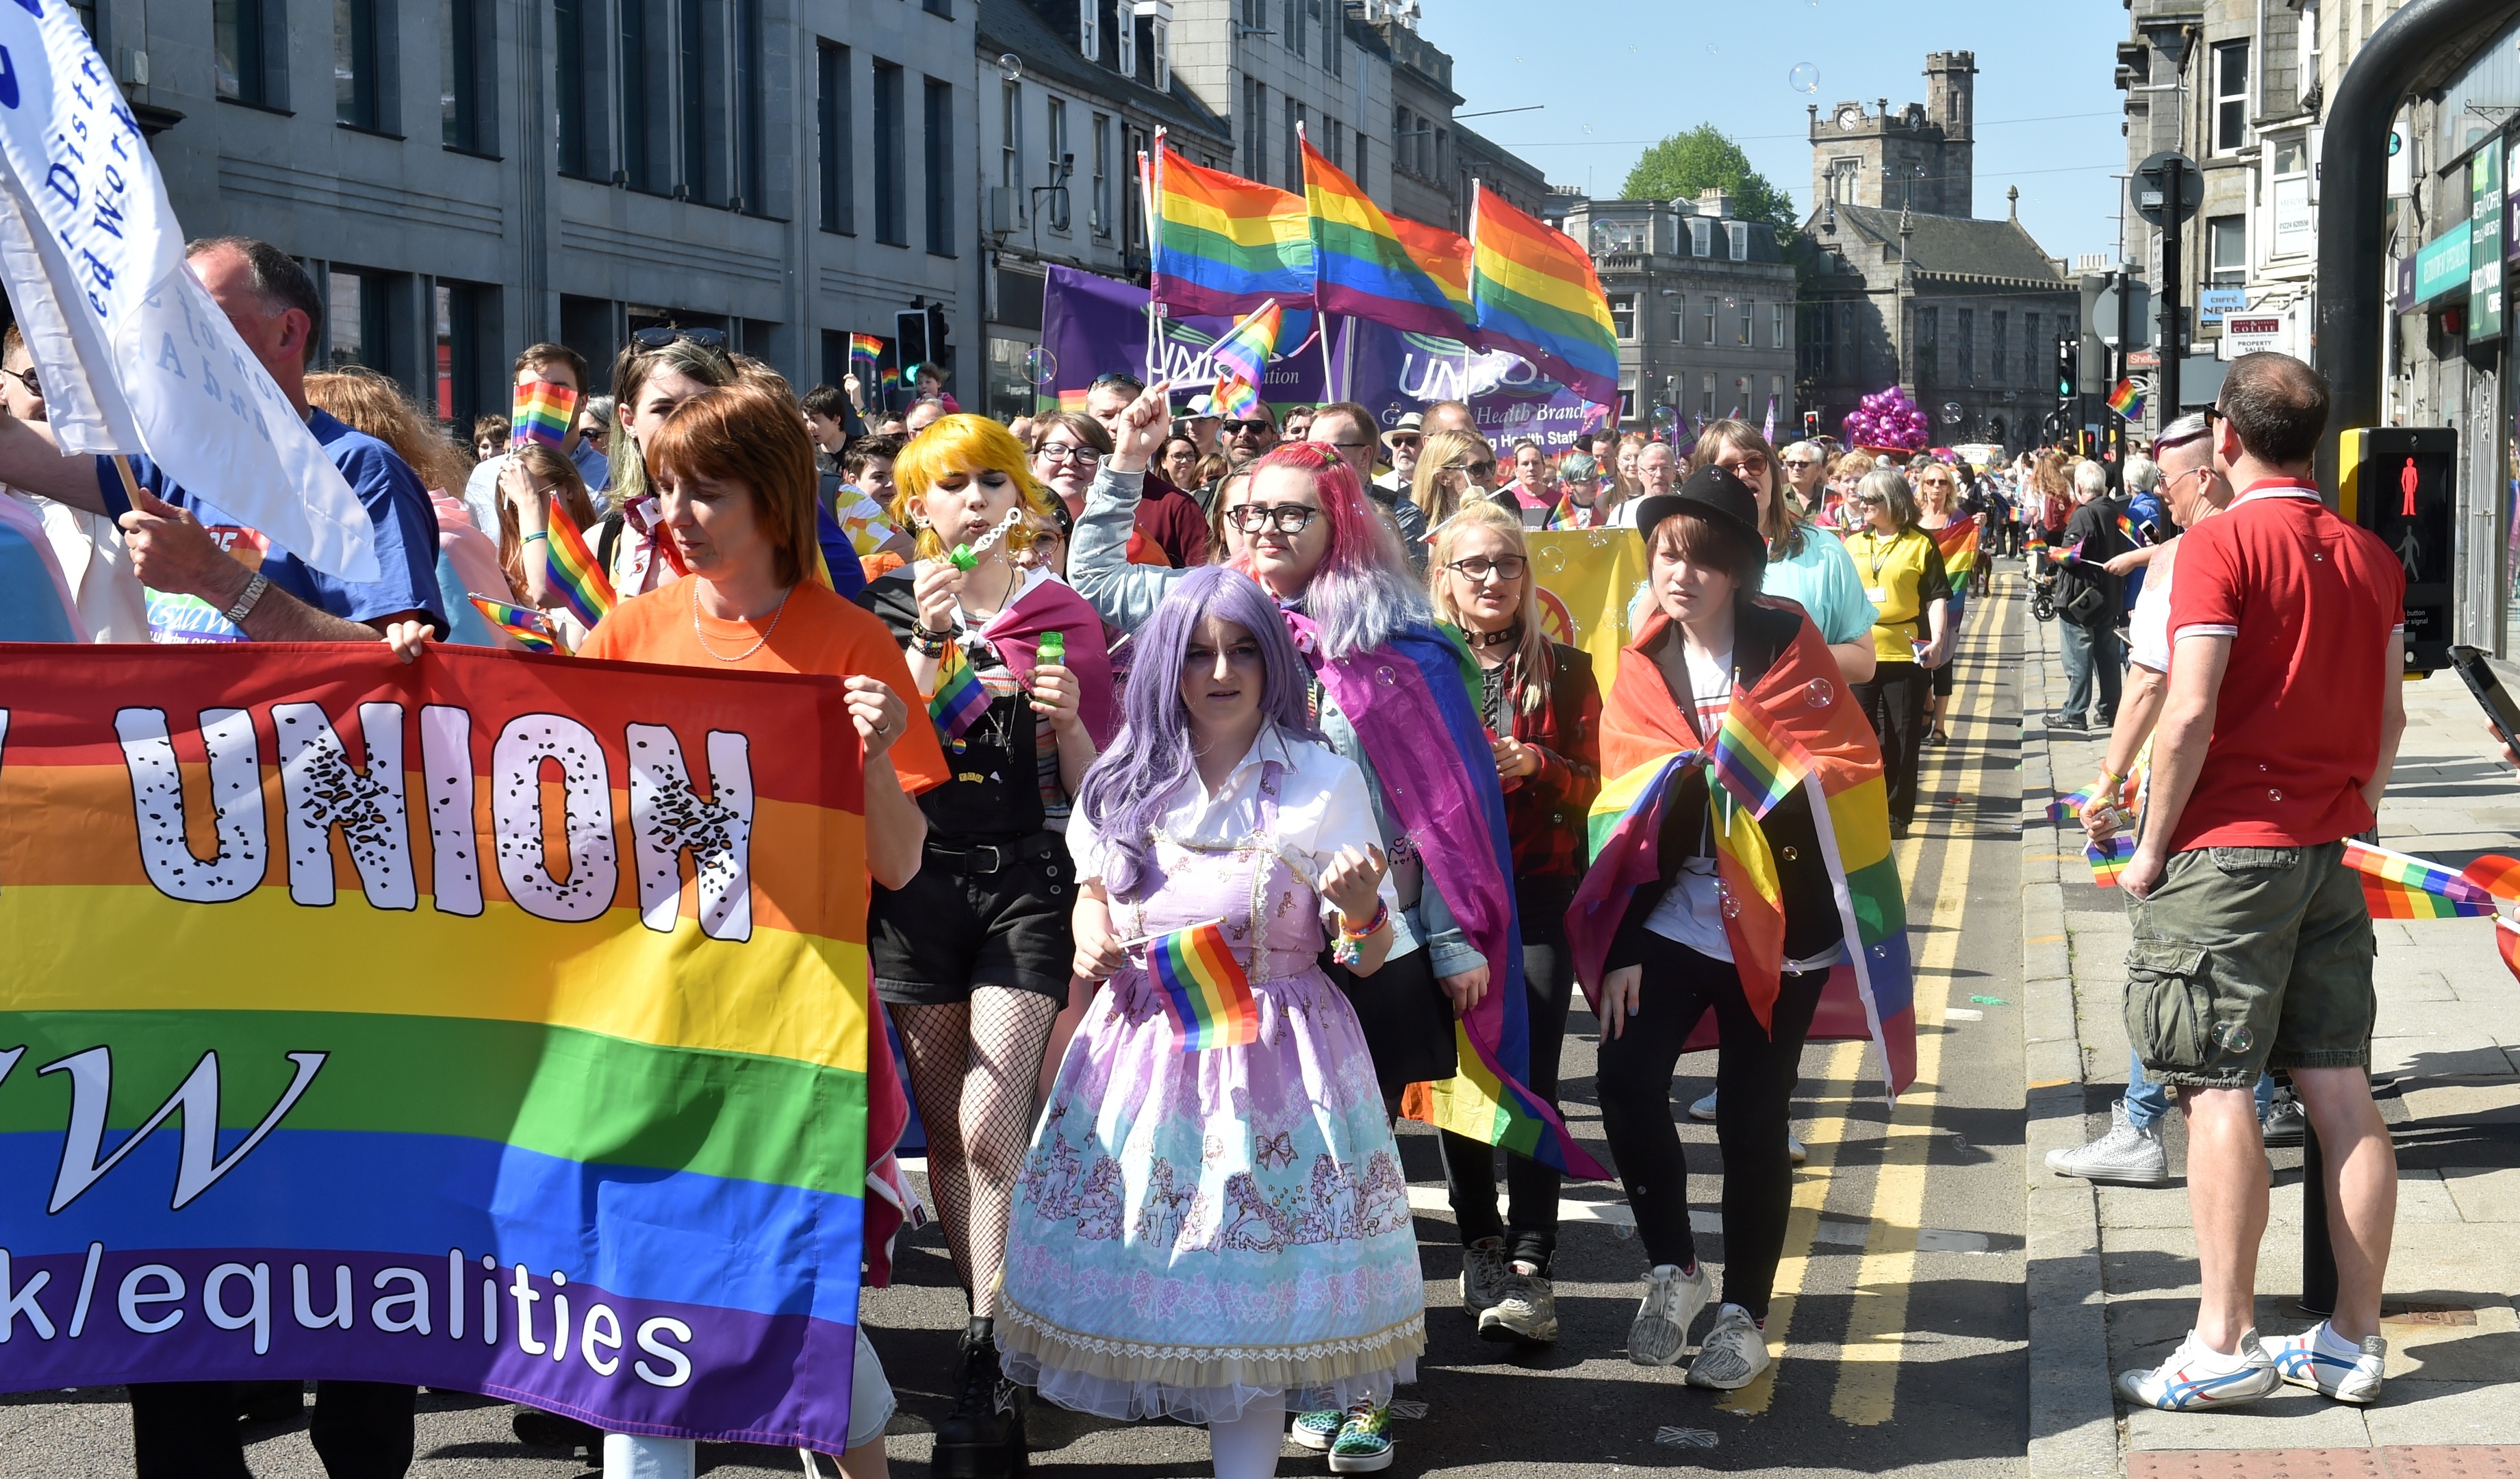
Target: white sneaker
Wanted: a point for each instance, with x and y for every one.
(1485, 1272)
(1704, 1109)
(2126, 1156)
(2328, 1364)
(1528, 1311)
(1734, 1353)
(2197, 1378)
(1659, 1334)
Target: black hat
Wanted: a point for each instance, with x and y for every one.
(1712, 493)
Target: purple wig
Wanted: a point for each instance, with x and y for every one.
(1128, 788)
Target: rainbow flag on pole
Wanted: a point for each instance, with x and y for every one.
(2125, 400)
(1224, 244)
(960, 698)
(1359, 264)
(2399, 887)
(865, 349)
(525, 624)
(1958, 540)
(493, 1026)
(1236, 398)
(1758, 760)
(571, 569)
(1537, 295)
(1245, 349)
(1205, 988)
(544, 412)
(2109, 859)
(1445, 258)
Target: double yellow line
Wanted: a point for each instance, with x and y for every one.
(1868, 1372)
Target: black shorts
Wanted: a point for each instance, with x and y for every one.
(990, 912)
(1406, 1017)
(1944, 677)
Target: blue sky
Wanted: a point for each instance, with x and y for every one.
(1617, 75)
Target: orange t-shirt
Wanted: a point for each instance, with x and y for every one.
(817, 631)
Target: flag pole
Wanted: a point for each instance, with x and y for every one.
(1153, 171)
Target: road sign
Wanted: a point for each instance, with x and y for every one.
(2104, 315)
(2145, 359)
(2151, 186)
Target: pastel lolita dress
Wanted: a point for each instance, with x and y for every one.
(1195, 1229)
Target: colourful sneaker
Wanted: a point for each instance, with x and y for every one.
(2197, 1377)
(1363, 1442)
(2325, 1362)
(1318, 1430)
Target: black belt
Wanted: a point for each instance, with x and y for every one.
(984, 859)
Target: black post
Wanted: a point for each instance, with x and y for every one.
(2126, 343)
(2352, 215)
(2173, 186)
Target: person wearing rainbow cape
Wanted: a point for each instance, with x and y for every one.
(1216, 1138)
(1741, 858)
(1444, 1017)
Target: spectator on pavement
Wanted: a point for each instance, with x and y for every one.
(2088, 605)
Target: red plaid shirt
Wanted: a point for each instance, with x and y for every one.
(1545, 811)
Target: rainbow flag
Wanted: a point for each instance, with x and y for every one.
(571, 569)
(1957, 541)
(891, 378)
(2125, 400)
(2400, 886)
(865, 349)
(1236, 399)
(544, 412)
(960, 698)
(1755, 758)
(2069, 807)
(515, 1013)
(1204, 986)
(2496, 873)
(1537, 295)
(1444, 257)
(2109, 859)
(525, 624)
(2506, 944)
(1245, 349)
(1224, 244)
(2133, 532)
(1361, 267)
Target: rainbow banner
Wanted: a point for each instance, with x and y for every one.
(1205, 988)
(960, 698)
(1224, 244)
(1359, 264)
(1758, 760)
(1537, 295)
(544, 412)
(572, 570)
(2125, 400)
(1958, 540)
(2109, 859)
(482, 1023)
(1445, 258)
(2399, 887)
(525, 624)
(1246, 350)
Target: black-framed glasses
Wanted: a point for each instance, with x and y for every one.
(1287, 519)
(26, 378)
(1070, 452)
(1355, 446)
(1408, 440)
(1248, 427)
(1481, 566)
(659, 338)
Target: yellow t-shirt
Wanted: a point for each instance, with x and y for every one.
(1902, 575)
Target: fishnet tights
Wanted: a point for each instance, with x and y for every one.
(974, 1069)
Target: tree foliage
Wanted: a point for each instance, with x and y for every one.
(1703, 159)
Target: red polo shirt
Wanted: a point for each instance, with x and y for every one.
(2309, 602)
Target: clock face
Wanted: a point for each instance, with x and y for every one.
(1849, 119)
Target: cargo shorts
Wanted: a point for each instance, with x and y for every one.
(2247, 958)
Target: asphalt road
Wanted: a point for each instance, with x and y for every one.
(1899, 1303)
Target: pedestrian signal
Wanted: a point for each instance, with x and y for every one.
(2398, 482)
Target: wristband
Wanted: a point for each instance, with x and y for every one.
(246, 600)
(1347, 952)
(537, 534)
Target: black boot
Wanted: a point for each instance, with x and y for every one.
(984, 1437)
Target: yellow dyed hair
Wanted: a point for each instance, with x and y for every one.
(969, 445)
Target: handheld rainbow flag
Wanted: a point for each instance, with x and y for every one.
(960, 700)
(1204, 988)
(865, 349)
(1759, 761)
(570, 565)
(1958, 540)
(2069, 807)
(1236, 399)
(544, 412)
(891, 378)
(525, 624)
(2134, 533)
(2496, 873)
(1245, 349)
(2109, 859)
(1224, 244)
(2125, 400)
(2506, 944)
(1537, 295)
(2399, 887)
(1359, 264)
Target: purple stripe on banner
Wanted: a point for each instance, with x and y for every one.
(676, 1371)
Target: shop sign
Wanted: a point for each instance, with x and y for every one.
(2440, 266)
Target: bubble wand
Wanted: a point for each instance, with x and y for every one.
(967, 558)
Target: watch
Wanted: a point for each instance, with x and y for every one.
(245, 602)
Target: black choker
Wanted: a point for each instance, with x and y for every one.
(1494, 639)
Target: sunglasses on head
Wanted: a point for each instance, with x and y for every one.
(659, 338)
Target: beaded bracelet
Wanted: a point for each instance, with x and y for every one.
(928, 643)
(1349, 949)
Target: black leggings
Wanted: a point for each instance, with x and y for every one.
(1469, 1166)
(1894, 702)
(188, 1429)
(1754, 1078)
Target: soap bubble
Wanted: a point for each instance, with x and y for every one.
(1551, 560)
(1664, 416)
(2233, 1037)
(1952, 413)
(1385, 676)
(1804, 78)
(1710, 49)
(1040, 366)
(1818, 694)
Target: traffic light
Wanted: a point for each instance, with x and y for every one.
(2068, 353)
(1810, 425)
(918, 336)
(2400, 482)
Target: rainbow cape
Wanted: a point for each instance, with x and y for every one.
(443, 985)
(960, 700)
(1223, 245)
(2399, 887)
(1359, 264)
(1957, 541)
(1537, 295)
(2109, 859)
(1204, 988)
(543, 414)
(2125, 400)
(1243, 350)
(1400, 697)
(529, 627)
(1648, 744)
(571, 569)
(1758, 760)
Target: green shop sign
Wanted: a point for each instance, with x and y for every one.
(2440, 267)
(2485, 230)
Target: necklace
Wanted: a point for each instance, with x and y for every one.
(702, 637)
(1494, 639)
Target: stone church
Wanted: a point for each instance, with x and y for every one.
(1903, 283)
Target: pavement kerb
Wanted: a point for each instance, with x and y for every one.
(2073, 1417)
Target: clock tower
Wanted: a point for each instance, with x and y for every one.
(1917, 159)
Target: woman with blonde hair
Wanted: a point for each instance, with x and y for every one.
(972, 955)
(1540, 700)
(1453, 468)
(1911, 635)
(1845, 470)
(467, 561)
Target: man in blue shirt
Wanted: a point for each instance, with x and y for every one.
(211, 578)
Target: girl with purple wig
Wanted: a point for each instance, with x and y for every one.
(1212, 1234)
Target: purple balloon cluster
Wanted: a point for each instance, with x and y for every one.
(1886, 419)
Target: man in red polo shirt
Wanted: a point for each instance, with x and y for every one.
(2253, 946)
